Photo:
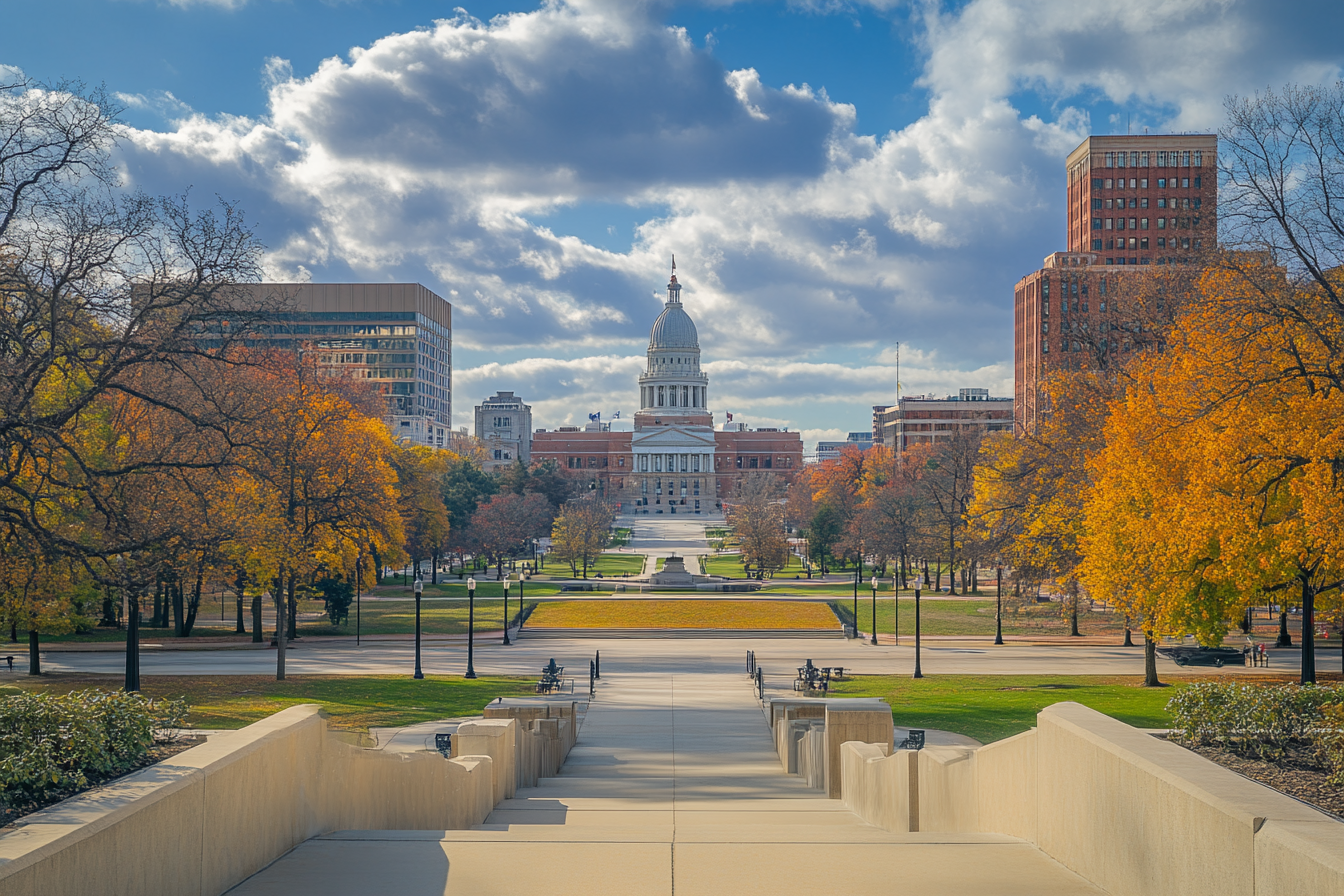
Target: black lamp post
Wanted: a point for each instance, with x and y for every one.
(896, 605)
(419, 587)
(506, 609)
(359, 588)
(998, 605)
(856, 601)
(471, 628)
(874, 641)
(919, 673)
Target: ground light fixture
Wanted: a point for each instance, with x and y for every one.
(419, 589)
(471, 628)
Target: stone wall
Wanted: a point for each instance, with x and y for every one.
(1133, 814)
(210, 817)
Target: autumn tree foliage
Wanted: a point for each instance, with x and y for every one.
(581, 531)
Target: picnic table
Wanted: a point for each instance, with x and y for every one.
(817, 678)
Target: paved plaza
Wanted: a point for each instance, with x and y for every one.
(674, 787)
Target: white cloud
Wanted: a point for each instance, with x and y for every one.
(803, 245)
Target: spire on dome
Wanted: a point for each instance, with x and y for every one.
(673, 287)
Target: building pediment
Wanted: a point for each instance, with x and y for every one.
(674, 439)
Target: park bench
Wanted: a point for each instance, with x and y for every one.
(552, 676)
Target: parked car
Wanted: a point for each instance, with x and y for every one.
(1203, 656)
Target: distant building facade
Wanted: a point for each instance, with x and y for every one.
(504, 428)
(831, 450)
(674, 461)
(1132, 202)
(923, 420)
(398, 337)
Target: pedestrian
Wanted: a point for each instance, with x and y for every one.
(10, 660)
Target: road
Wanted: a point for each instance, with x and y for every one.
(776, 656)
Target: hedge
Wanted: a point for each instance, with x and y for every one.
(52, 745)
(1262, 720)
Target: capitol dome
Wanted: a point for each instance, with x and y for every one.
(673, 329)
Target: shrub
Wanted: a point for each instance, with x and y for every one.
(1258, 719)
(1330, 741)
(52, 745)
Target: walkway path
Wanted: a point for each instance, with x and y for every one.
(673, 789)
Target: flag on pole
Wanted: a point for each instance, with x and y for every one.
(730, 418)
(616, 416)
(597, 416)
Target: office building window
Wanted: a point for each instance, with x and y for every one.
(1096, 245)
(1143, 203)
(1144, 163)
(1109, 183)
(1143, 223)
(1110, 161)
(1110, 223)
(1143, 243)
(1199, 160)
(1161, 223)
(1096, 183)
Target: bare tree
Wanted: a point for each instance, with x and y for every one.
(757, 517)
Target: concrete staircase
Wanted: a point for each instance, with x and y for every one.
(674, 788)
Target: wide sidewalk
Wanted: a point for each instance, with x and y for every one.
(673, 788)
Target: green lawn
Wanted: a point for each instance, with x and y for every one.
(397, 617)
(972, 617)
(486, 586)
(730, 565)
(992, 707)
(353, 702)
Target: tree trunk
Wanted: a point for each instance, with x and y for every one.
(1308, 675)
(280, 628)
(256, 618)
(1150, 661)
(154, 620)
(292, 620)
(240, 583)
(34, 658)
(133, 641)
(179, 612)
(1285, 640)
(194, 605)
(1246, 622)
(13, 632)
(109, 608)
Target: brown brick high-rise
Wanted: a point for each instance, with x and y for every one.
(1132, 201)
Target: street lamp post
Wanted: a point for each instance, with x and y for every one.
(359, 589)
(471, 628)
(856, 601)
(896, 605)
(919, 673)
(506, 609)
(419, 587)
(998, 605)
(874, 583)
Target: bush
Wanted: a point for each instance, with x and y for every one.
(52, 745)
(1330, 741)
(1258, 719)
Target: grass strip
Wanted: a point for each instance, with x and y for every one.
(992, 707)
(353, 702)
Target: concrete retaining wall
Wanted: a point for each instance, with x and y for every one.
(208, 818)
(1135, 815)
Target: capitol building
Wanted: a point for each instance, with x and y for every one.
(674, 461)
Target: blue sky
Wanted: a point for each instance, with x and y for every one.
(835, 176)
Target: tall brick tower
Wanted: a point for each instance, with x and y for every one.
(1132, 201)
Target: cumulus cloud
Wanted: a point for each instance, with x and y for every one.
(805, 246)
